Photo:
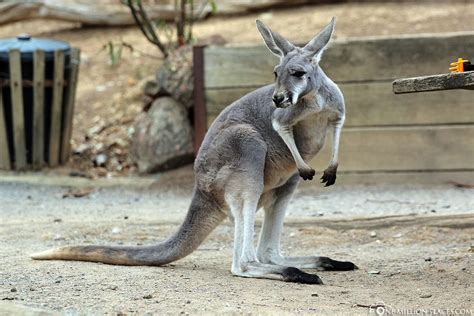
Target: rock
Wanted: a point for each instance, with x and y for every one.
(374, 272)
(79, 150)
(100, 160)
(116, 230)
(148, 296)
(373, 234)
(426, 295)
(175, 77)
(163, 137)
(58, 237)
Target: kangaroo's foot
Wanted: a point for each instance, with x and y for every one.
(307, 173)
(311, 262)
(276, 272)
(329, 176)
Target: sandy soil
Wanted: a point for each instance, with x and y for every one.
(413, 247)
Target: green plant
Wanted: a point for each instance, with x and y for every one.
(114, 51)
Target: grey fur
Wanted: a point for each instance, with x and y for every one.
(252, 157)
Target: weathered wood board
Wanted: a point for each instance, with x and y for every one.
(463, 80)
(354, 60)
(17, 111)
(4, 152)
(425, 148)
(56, 112)
(69, 105)
(374, 104)
(38, 109)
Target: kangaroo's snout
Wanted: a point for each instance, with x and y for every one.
(280, 100)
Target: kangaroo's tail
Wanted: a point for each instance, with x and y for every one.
(203, 216)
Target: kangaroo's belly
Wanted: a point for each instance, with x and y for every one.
(309, 135)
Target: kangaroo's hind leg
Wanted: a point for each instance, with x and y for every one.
(269, 243)
(243, 191)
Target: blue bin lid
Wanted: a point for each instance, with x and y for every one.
(27, 45)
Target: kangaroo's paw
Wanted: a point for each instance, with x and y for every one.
(307, 174)
(333, 265)
(329, 176)
(298, 276)
(276, 272)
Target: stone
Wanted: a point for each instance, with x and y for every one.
(175, 77)
(163, 137)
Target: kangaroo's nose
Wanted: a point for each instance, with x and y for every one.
(278, 98)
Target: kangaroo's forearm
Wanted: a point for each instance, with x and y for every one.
(336, 136)
(329, 175)
(286, 133)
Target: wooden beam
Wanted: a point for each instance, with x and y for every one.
(461, 80)
(418, 148)
(17, 110)
(56, 109)
(69, 105)
(348, 61)
(4, 151)
(374, 104)
(38, 109)
(200, 115)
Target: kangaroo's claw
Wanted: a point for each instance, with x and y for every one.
(329, 176)
(333, 265)
(307, 174)
(298, 276)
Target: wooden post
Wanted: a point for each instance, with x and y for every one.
(38, 109)
(200, 123)
(69, 105)
(56, 111)
(17, 109)
(4, 153)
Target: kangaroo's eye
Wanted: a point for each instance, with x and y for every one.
(299, 74)
(275, 74)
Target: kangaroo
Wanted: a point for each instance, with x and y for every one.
(252, 157)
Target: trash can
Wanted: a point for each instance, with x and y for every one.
(37, 90)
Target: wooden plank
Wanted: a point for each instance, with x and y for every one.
(428, 148)
(374, 104)
(200, 115)
(463, 80)
(4, 152)
(56, 111)
(67, 123)
(17, 110)
(38, 109)
(349, 60)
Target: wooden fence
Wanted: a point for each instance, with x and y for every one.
(36, 133)
(421, 137)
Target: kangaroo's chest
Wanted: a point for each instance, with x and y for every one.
(310, 135)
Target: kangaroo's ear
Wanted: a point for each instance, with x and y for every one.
(316, 46)
(274, 41)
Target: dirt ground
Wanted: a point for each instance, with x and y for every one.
(413, 244)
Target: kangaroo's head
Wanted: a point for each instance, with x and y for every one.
(296, 75)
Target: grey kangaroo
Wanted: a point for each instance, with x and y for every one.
(252, 157)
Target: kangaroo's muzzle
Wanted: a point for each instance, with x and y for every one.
(280, 100)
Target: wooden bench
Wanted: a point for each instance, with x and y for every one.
(425, 137)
